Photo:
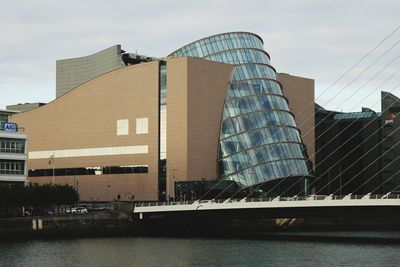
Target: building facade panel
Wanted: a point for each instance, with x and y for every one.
(300, 94)
(195, 97)
(214, 108)
(76, 71)
(206, 98)
(252, 71)
(83, 124)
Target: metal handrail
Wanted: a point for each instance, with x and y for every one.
(264, 199)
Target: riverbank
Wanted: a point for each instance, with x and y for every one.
(85, 225)
(118, 224)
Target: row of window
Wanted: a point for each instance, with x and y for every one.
(240, 56)
(260, 151)
(163, 84)
(253, 71)
(88, 171)
(264, 136)
(255, 120)
(261, 154)
(12, 146)
(270, 171)
(219, 43)
(11, 167)
(3, 118)
(253, 87)
(255, 103)
(249, 134)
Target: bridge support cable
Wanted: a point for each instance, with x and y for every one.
(353, 122)
(347, 127)
(362, 128)
(378, 158)
(336, 81)
(359, 102)
(375, 146)
(224, 191)
(364, 167)
(392, 176)
(351, 82)
(359, 89)
(348, 71)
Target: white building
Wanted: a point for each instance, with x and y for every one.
(13, 151)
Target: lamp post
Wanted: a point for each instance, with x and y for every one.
(173, 183)
(51, 161)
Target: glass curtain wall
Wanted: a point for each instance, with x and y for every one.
(162, 163)
(259, 140)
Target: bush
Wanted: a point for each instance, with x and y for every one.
(37, 196)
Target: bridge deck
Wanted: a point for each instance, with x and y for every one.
(314, 201)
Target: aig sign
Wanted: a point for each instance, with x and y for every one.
(11, 127)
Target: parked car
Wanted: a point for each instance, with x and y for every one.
(77, 210)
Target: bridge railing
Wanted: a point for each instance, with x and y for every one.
(270, 199)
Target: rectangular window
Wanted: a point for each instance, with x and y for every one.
(123, 127)
(142, 125)
(12, 145)
(90, 171)
(12, 167)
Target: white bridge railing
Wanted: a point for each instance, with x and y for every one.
(276, 199)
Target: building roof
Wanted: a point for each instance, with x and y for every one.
(355, 115)
(9, 112)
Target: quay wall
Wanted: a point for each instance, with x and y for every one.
(111, 224)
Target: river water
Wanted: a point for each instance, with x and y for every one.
(195, 252)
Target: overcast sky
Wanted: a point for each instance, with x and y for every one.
(315, 39)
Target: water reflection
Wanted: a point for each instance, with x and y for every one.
(193, 252)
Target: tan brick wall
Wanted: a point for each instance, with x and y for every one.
(86, 117)
(206, 99)
(300, 93)
(195, 96)
(177, 83)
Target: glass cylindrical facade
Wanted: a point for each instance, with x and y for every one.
(259, 140)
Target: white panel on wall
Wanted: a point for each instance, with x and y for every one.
(163, 132)
(142, 125)
(90, 152)
(123, 127)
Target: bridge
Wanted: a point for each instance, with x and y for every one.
(313, 206)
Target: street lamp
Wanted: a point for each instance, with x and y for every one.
(51, 161)
(173, 183)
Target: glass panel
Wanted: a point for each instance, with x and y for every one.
(257, 108)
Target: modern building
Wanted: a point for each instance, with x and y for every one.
(213, 109)
(13, 151)
(358, 152)
(76, 71)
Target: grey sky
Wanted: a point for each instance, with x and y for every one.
(315, 39)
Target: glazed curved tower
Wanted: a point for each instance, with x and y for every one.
(259, 140)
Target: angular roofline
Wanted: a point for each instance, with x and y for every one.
(9, 111)
(251, 33)
(118, 46)
(61, 97)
